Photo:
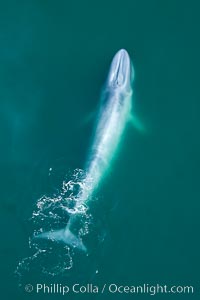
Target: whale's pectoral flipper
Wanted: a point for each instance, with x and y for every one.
(64, 235)
(136, 123)
(89, 118)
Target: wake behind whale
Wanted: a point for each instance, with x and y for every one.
(114, 113)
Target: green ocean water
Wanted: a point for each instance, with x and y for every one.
(54, 59)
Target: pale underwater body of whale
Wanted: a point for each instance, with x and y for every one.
(114, 113)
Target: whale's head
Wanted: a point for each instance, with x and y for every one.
(121, 73)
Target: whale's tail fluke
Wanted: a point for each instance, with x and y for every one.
(64, 235)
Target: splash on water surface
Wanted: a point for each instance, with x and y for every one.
(50, 213)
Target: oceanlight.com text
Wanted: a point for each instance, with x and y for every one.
(111, 288)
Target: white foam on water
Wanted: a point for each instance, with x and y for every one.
(53, 212)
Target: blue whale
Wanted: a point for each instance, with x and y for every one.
(114, 113)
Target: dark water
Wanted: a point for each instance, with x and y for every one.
(54, 57)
